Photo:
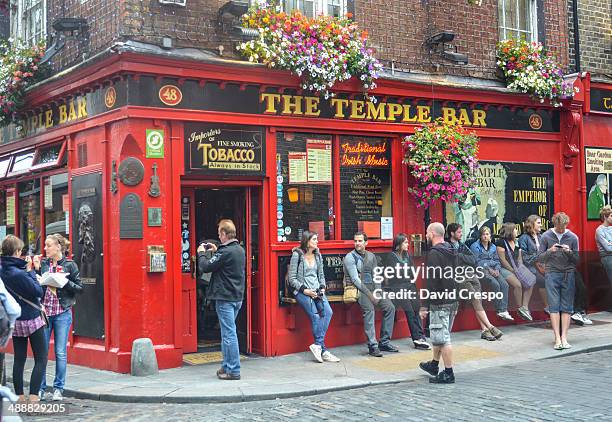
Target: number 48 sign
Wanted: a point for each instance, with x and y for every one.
(155, 143)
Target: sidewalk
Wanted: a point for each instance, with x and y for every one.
(299, 375)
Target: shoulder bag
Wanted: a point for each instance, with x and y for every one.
(40, 308)
(351, 293)
(526, 277)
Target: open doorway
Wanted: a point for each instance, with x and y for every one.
(207, 206)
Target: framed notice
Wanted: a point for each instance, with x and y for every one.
(319, 153)
(598, 177)
(10, 207)
(298, 167)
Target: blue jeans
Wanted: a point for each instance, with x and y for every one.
(560, 288)
(498, 284)
(320, 314)
(60, 325)
(227, 312)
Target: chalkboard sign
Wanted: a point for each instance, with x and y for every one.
(332, 267)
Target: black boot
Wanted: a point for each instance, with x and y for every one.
(374, 351)
(443, 378)
(430, 367)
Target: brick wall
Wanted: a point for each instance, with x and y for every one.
(103, 19)
(595, 30)
(397, 29)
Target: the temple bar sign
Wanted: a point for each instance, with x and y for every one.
(342, 108)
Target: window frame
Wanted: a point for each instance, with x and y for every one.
(515, 27)
(320, 7)
(20, 22)
(398, 176)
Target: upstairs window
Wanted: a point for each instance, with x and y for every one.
(313, 8)
(517, 19)
(29, 21)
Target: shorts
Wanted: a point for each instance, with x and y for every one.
(560, 289)
(441, 318)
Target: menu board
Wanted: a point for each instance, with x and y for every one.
(319, 160)
(10, 207)
(298, 170)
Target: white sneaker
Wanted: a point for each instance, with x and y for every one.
(45, 395)
(577, 318)
(505, 316)
(316, 351)
(57, 395)
(586, 319)
(329, 357)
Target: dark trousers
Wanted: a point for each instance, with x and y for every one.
(38, 342)
(581, 295)
(411, 309)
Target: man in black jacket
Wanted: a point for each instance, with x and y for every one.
(441, 303)
(227, 266)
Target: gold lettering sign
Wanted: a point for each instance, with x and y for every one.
(298, 105)
(68, 112)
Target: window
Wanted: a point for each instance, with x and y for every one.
(49, 156)
(312, 8)
(29, 216)
(365, 185)
(311, 188)
(7, 206)
(517, 19)
(56, 203)
(29, 21)
(304, 189)
(4, 166)
(22, 162)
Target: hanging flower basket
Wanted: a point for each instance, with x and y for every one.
(19, 68)
(322, 51)
(442, 159)
(528, 68)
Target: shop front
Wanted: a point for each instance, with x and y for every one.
(157, 151)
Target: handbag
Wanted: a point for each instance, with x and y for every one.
(41, 308)
(351, 293)
(526, 277)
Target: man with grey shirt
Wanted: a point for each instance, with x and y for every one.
(603, 238)
(359, 266)
(559, 254)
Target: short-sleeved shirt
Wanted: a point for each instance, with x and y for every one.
(502, 244)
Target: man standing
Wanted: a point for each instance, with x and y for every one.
(441, 303)
(226, 288)
(559, 253)
(603, 238)
(359, 265)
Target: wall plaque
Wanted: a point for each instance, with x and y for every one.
(154, 217)
(130, 217)
(131, 171)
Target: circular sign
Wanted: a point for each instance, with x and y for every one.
(131, 171)
(535, 121)
(170, 95)
(155, 140)
(110, 97)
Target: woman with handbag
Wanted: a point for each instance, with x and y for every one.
(20, 281)
(400, 256)
(307, 281)
(529, 242)
(516, 274)
(58, 304)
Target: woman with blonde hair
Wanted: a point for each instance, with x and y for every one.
(529, 242)
(58, 304)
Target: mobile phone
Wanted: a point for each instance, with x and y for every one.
(557, 245)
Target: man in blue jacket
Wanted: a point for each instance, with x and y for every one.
(226, 288)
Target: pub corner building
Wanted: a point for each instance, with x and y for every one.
(136, 156)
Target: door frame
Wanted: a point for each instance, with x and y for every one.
(248, 185)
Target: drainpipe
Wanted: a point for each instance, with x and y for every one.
(576, 35)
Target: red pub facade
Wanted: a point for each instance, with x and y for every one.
(136, 156)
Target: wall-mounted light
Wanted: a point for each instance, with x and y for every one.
(439, 43)
(308, 195)
(293, 194)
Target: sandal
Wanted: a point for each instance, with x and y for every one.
(566, 345)
(558, 346)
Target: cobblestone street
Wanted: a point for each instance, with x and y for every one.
(570, 388)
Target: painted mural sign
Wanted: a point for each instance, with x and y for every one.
(505, 192)
(598, 177)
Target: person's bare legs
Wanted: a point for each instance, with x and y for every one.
(554, 321)
(565, 323)
(517, 289)
(543, 296)
(527, 297)
(483, 320)
(436, 353)
(447, 355)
